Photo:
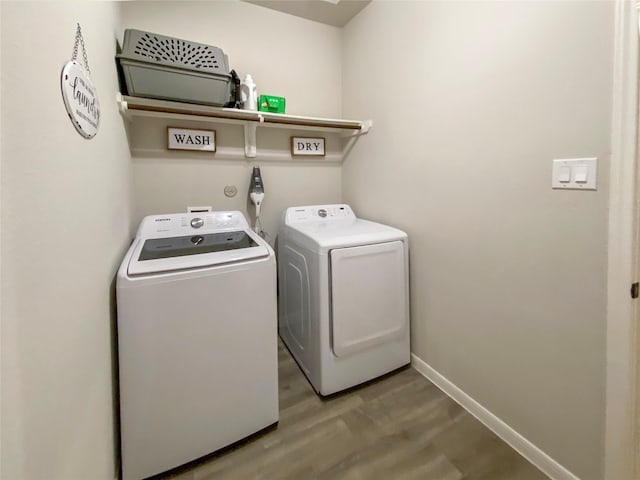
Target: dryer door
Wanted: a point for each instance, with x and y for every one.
(369, 296)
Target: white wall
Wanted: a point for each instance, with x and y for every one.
(286, 56)
(470, 102)
(65, 226)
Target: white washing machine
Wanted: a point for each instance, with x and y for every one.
(344, 296)
(197, 339)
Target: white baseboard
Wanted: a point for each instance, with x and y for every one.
(520, 444)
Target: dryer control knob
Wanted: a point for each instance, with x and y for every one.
(197, 222)
(322, 213)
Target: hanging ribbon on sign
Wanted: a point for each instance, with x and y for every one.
(78, 92)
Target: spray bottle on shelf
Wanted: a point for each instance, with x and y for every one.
(249, 93)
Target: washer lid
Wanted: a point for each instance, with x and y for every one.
(153, 255)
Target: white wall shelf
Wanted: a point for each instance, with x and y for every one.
(131, 107)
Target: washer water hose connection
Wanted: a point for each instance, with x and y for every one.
(256, 195)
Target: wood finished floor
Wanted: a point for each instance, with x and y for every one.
(400, 427)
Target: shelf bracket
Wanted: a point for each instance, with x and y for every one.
(365, 126)
(123, 107)
(250, 139)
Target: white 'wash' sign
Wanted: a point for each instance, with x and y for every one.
(191, 139)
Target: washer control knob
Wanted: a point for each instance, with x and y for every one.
(197, 240)
(322, 213)
(197, 222)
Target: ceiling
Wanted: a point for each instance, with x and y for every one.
(330, 12)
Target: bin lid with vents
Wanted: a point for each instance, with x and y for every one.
(173, 52)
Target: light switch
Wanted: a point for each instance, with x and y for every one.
(580, 174)
(564, 175)
(574, 173)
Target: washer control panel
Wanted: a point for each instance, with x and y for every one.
(177, 224)
(318, 213)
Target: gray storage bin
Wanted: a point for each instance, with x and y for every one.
(157, 66)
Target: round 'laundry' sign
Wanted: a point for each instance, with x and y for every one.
(80, 99)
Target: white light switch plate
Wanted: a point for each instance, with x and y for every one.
(578, 166)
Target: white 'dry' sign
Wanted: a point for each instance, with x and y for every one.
(191, 139)
(308, 146)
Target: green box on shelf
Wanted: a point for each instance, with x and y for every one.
(269, 103)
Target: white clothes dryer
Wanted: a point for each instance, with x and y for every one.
(197, 339)
(344, 296)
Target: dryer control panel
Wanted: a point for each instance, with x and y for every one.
(177, 224)
(318, 213)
